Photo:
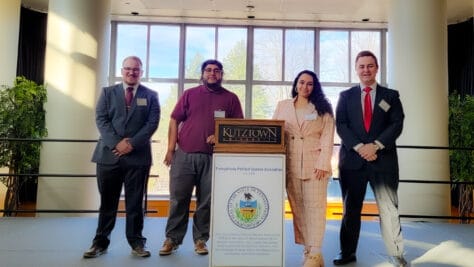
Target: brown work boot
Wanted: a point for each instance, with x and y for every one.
(200, 247)
(168, 247)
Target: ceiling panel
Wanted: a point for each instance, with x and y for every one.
(291, 12)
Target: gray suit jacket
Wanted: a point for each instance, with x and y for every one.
(115, 123)
(387, 125)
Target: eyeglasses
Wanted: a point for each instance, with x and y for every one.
(131, 69)
(215, 71)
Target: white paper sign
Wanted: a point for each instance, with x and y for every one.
(247, 216)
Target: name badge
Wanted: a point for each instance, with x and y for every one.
(141, 102)
(311, 117)
(384, 105)
(219, 114)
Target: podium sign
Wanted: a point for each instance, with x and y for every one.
(247, 218)
(248, 193)
(249, 136)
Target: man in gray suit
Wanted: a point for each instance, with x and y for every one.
(369, 119)
(127, 115)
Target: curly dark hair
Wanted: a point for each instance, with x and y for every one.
(211, 62)
(317, 96)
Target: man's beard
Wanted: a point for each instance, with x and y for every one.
(213, 86)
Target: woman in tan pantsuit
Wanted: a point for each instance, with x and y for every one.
(309, 132)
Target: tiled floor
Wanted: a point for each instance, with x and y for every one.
(60, 242)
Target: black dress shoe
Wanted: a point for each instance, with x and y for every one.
(94, 252)
(342, 259)
(140, 251)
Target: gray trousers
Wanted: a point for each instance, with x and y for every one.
(189, 171)
(353, 186)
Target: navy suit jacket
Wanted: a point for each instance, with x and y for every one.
(386, 127)
(115, 123)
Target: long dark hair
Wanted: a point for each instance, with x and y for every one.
(317, 96)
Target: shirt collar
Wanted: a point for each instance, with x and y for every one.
(204, 89)
(373, 86)
(125, 86)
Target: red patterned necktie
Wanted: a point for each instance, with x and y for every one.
(367, 108)
(129, 97)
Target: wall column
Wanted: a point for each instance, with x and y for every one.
(77, 56)
(417, 68)
(10, 29)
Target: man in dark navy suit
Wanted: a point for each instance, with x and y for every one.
(127, 115)
(369, 119)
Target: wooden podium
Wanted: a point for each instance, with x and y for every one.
(248, 194)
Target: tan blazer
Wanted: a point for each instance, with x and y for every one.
(309, 146)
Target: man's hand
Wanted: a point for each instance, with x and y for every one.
(168, 158)
(368, 152)
(211, 140)
(123, 147)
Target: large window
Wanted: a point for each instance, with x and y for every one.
(334, 56)
(232, 52)
(138, 46)
(299, 52)
(164, 51)
(260, 64)
(200, 45)
(268, 54)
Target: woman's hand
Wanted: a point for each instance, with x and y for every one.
(320, 174)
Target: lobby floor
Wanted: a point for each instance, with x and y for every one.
(60, 242)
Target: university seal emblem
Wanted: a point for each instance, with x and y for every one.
(248, 207)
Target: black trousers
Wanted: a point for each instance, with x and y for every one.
(384, 185)
(110, 179)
